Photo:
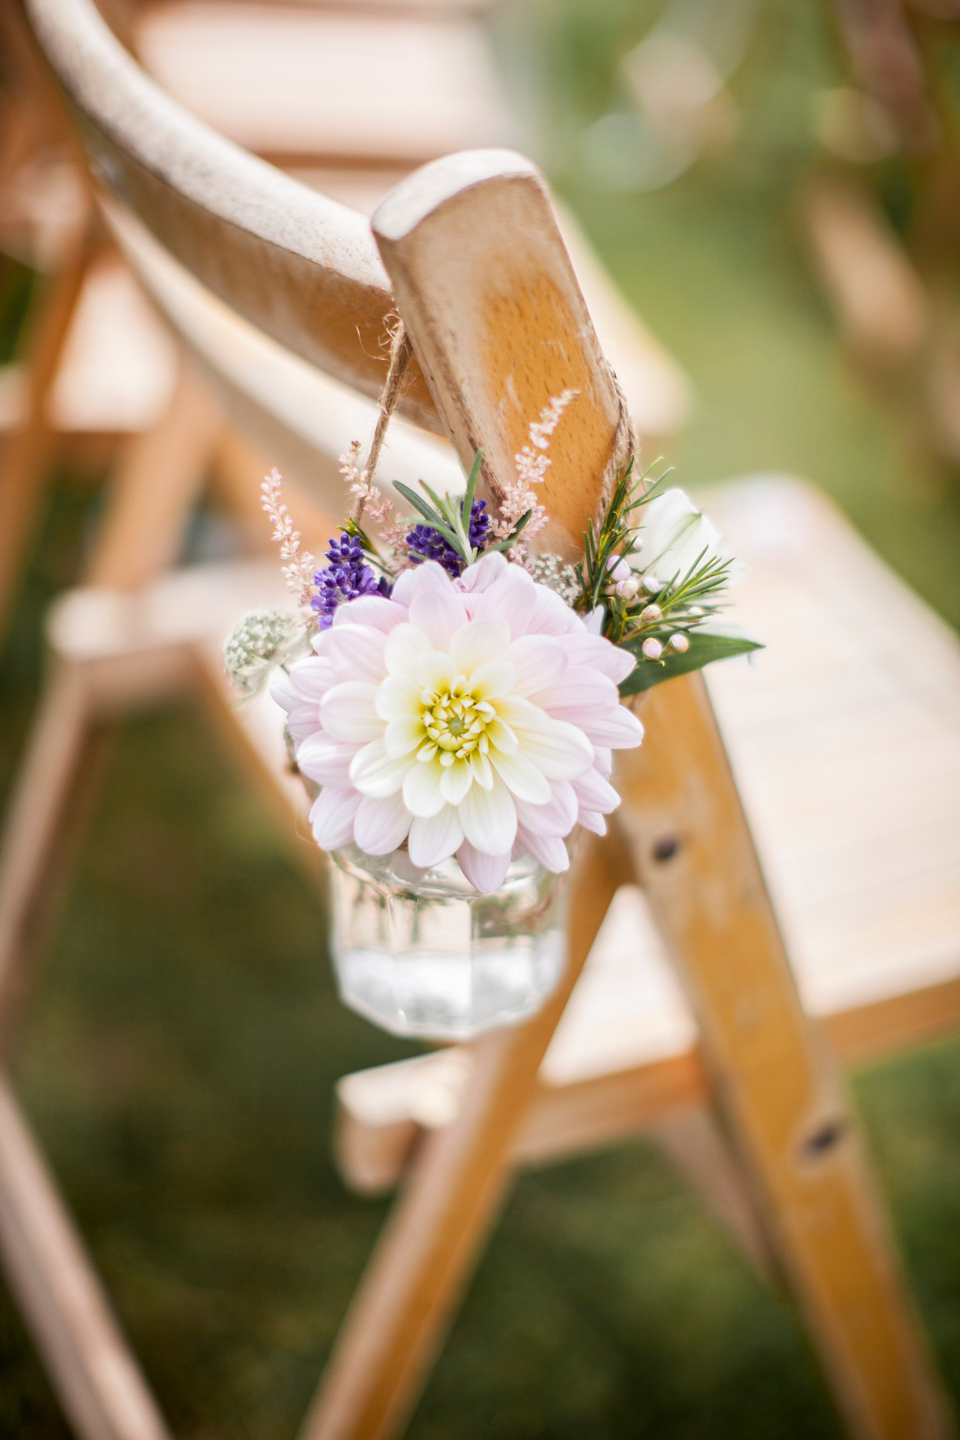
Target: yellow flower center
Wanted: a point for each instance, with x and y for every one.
(455, 722)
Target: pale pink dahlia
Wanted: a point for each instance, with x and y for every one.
(472, 717)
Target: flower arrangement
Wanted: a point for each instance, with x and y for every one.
(458, 693)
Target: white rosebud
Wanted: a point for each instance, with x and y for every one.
(652, 585)
(679, 643)
(652, 649)
(651, 613)
(676, 535)
(629, 589)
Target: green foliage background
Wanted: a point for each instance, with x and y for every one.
(180, 1052)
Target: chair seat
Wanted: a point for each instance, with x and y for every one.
(844, 735)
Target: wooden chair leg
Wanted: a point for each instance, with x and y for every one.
(28, 451)
(694, 1145)
(692, 851)
(145, 518)
(424, 1257)
(42, 819)
(156, 484)
(97, 1379)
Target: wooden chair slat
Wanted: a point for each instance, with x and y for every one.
(498, 340)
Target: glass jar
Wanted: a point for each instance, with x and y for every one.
(419, 952)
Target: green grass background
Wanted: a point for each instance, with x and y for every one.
(180, 1051)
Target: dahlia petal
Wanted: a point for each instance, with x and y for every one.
(375, 773)
(521, 776)
(518, 713)
(513, 598)
(435, 838)
(595, 793)
(557, 817)
(332, 815)
(403, 734)
(421, 789)
(619, 728)
(303, 714)
(561, 751)
(603, 760)
(404, 643)
(485, 872)
(420, 580)
(502, 737)
(550, 616)
(349, 711)
(490, 681)
(357, 650)
(283, 693)
(479, 643)
(482, 573)
(375, 610)
(312, 677)
(399, 695)
(438, 614)
(580, 694)
(456, 781)
(324, 760)
(381, 825)
(539, 662)
(596, 653)
(482, 770)
(592, 820)
(548, 849)
(303, 721)
(434, 670)
(488, 817)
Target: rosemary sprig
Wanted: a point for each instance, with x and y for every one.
(670, 612)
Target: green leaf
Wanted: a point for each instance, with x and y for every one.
(466, 509)
(704, 649)
(435, 521)
(504, 545)
(415, 500)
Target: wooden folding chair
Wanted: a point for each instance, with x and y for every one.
(320, 91)
(486, 291)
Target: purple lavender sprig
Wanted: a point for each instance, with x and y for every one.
(426, 543)
(347, 577)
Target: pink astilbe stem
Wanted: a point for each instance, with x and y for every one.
(301, 566)
(532, 462)
(369, 499)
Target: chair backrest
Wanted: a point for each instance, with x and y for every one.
(306, 271)
(299, 266)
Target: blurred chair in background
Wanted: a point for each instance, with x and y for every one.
(890, 133)
(625, 1055)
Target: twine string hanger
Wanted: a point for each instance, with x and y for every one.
(400, 352)
(624, 448)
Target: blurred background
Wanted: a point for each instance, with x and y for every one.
(775, 187)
